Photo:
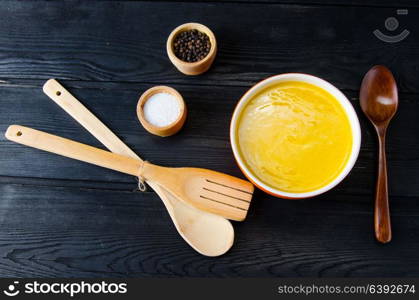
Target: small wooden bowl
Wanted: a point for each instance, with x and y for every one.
(197, 67)
(166, 130)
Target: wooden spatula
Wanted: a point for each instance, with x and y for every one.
(207, 190)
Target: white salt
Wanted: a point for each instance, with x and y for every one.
(161, 109)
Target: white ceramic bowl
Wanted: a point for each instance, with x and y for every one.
(347, 106)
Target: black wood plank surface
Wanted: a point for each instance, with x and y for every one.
(203, 142)
(60, 217)
(400, 4)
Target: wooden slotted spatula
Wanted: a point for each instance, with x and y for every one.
(207, 190)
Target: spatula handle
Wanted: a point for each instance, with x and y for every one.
(382, 210)
(65, 147)
(81, 114)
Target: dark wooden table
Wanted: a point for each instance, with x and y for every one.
(63, 218)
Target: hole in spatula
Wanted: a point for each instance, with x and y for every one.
(207, 198)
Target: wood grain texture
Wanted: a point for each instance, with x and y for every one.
(330, 235)
(125, 41)
(369, 3)
(362, 3)
(84, 221)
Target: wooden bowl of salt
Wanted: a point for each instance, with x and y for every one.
(161, 110)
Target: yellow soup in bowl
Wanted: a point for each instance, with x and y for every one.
(294, 136)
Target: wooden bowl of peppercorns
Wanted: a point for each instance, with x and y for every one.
(191, 47)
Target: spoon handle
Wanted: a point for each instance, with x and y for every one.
(68, 148)
(382, 211)
(53, 89)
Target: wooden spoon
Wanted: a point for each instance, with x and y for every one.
(379, 101)
(208, 234)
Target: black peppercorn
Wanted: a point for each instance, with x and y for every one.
(191, 45)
